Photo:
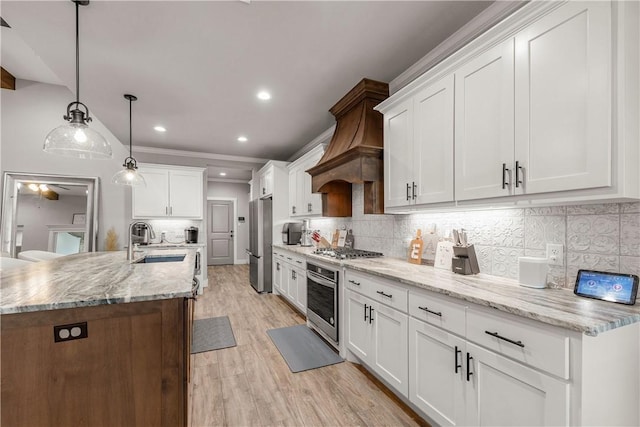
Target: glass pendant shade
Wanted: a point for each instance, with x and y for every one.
(77, 140)
(129, 176)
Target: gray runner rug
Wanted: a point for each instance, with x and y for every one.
(213, 333)
(302, 349)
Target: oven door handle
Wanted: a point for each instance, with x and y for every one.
(320, 280)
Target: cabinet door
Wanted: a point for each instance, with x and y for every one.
(359, 330)
(563, 99)
(294, 205)
(303, 189)
(152, 200)
(277, 276)
(390, 336)
(436, 373)
(292, 290)
(313, 200)
(266, 183)
(185, 194)
(433, 143)
(501, 392)
(484, 124)
(398, 155)
(301, 283)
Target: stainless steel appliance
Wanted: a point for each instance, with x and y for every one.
(305, 239)
(191, 235)
(346, 253)
(291, 233)
(322, 299)
(141, 233)
(260, 229)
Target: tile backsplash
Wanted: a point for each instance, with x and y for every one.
(599, 236)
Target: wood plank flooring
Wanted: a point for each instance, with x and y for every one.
(251, 384)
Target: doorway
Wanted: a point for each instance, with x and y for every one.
(220, 241)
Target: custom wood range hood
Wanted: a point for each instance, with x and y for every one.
(354, 155)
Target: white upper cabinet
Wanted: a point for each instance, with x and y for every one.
(433, 143)
(538, 111)
(398, 163)
(563, 99)
(266, 183)
(302, 202)
(170, 192)
(484, 124)
(418, 147)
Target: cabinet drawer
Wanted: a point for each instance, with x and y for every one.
(295, 260)
(438, 311)
(379, 290)
(538, 345)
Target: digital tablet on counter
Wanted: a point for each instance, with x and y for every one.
(613, 287)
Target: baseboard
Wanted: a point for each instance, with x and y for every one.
(241, 261)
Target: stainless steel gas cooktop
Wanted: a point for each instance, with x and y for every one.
(346, 253)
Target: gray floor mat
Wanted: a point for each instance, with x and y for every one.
(302, 349)
(213, 333)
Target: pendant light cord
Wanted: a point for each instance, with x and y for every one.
(77, 53)
(130, 129)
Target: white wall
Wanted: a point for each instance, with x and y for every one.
(240, 192)
(28, 114)
(35, 213)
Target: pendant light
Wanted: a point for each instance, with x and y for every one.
(129, 175)
(75, 138)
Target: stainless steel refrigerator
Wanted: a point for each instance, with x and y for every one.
(260, 232)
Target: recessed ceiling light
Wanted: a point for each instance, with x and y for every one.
(242, 139)
(223, 174)
(159, 129)
(264, 95)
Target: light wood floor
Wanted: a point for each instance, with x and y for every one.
(251, 385)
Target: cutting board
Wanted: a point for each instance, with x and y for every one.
(415, 249)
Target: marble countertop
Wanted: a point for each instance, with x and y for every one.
(172, 245)
(558, 307)
(95, 278)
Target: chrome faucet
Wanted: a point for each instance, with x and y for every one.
(129, 243)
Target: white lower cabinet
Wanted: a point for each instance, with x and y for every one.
(290, 279)
(502, 392)
(437, 381)
(378, 336)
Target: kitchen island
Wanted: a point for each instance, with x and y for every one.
(95, 339)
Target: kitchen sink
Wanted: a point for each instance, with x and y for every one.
(160, 258)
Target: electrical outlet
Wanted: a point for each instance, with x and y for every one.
(555, 254)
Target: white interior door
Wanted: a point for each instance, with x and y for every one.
(220, 233)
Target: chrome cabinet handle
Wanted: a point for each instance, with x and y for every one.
(437, 313)
(505, 171)
(408, 187)
(370, 314)
(456, 366)
(469, 373)
(365, 312)
(413, 191)
(497, 335)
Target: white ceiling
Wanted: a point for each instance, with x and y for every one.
(197, 65)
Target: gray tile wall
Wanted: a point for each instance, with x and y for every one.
(599, 236)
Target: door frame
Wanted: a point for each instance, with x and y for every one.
(234, 201)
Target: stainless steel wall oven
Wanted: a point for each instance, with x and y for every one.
(322, 299)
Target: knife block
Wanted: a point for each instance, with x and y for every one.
(465, 260)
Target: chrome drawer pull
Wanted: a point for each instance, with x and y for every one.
(354, 282)
(437, 313)
(385, 295)
(495, 334)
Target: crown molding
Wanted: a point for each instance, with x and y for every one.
(324, 137)
(198, 154)
(478, 25)
(230, 181)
